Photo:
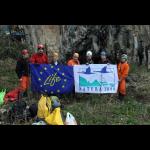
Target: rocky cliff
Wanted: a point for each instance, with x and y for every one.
(66, 38)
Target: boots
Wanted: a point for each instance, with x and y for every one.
(121, 97)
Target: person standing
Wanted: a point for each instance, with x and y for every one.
(74, 60)
(55, 59)
(89, 60)
(123, 70)
(147, 48)
(103, 58)
(40, 57)
(141, 52)
(22, 71)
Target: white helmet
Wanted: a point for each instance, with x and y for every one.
(88, 53)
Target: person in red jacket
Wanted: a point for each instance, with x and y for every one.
(40, 57)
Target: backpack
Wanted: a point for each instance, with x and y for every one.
(33, 110)
(2, 95)
(17, 111)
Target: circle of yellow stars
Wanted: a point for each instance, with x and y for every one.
(63, 74)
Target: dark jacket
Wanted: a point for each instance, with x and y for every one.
(89, 62)
(141, 50)
(105, 62)
(22, 67)
(59, 63)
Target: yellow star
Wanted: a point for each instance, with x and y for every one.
(52, 66)
(63, 74)
(63, 86)
(65, 80)
(58, 91)
(39, 79)
(41, 72)
(58, 69)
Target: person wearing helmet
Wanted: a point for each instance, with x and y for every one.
(123, 70)
(103, 58)
(89, 60)
(74, 60)
(40, 57)
(22, 71)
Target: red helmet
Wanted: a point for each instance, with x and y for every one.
(40, 46)
(25, 51)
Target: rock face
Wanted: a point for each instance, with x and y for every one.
(46, 34)
(110, 37)
(66, 38)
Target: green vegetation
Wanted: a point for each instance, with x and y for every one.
(11, 49)
(96, 109)
(8, 77)
(107, 110)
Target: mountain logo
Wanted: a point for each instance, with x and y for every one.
(95, 83)
(88, 71)
(103, 70)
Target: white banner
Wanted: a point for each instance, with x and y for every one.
(96, 78)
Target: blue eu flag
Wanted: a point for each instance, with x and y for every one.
(50, 79)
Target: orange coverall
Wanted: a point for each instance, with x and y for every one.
(73, 62)
(123, 70)
(24, 83)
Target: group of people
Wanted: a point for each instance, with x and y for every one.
(22, 66)
(122, 66)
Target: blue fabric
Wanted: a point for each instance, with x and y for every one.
(51, 80)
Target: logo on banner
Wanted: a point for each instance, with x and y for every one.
(96, 80)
